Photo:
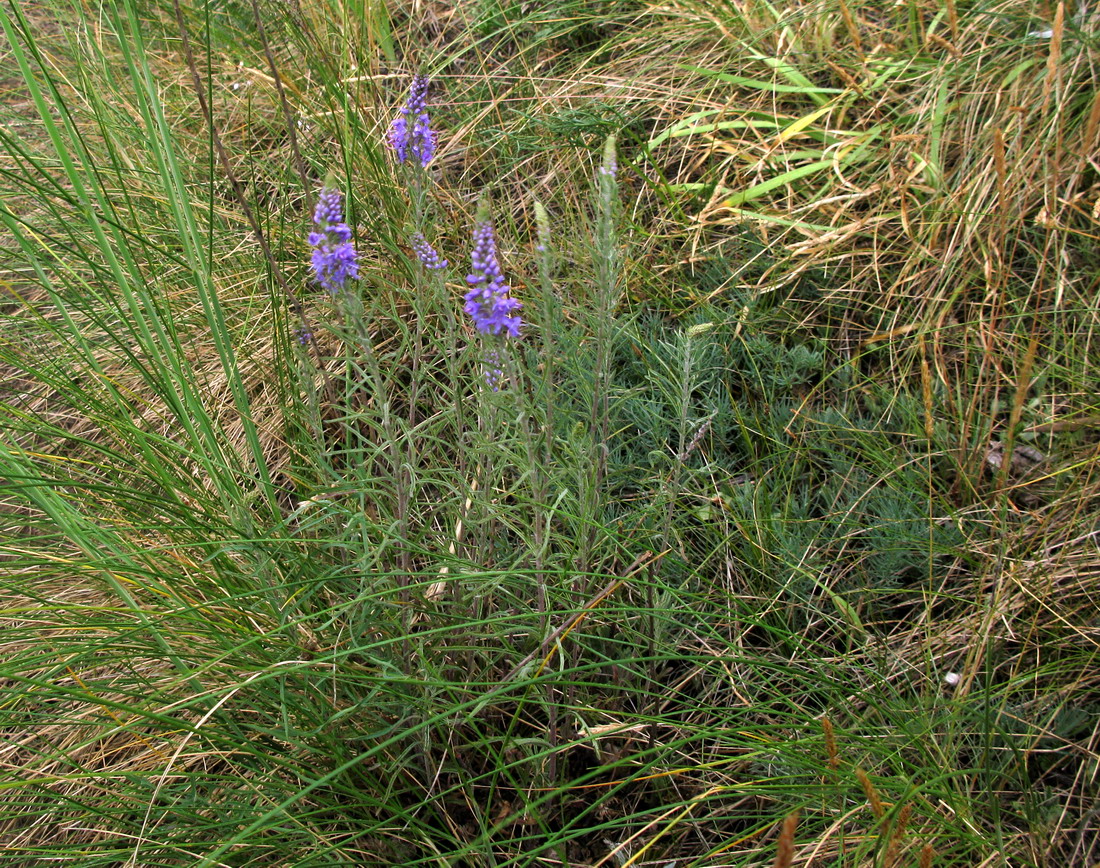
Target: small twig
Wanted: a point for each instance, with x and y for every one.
(564, 629)
(299, 163)
(238, 192)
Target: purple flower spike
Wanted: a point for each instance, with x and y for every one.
(420, 140)
(426, 253)
(334, 259)
(488, 302)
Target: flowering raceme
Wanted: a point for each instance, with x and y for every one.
(610, 164)
(427, 254)
(420, 139)
(334, 259)
(488, 302)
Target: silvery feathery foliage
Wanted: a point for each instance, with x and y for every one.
(334, 259)
(419, 139)
(488, 302)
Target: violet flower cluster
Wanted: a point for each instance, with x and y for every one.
(427, 254)
(488, 302)
(334, 259)
(419, 140)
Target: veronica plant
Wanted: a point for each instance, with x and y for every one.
(418, 140)
(427, 254)
(607, 280)
(334, 259)
(488, 301)
(608, 263)
(413, 142)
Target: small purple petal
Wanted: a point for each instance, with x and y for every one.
(334, 260)
(420, 141)
(427, 254)
(488, 302)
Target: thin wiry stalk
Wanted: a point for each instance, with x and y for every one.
(238, 191)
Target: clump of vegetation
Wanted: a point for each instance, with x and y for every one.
(468, 435)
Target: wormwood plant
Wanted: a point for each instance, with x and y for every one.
(653, 535)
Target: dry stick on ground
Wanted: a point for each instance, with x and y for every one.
(564, 629)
